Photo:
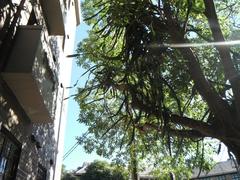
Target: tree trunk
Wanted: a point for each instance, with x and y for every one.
(225, 125)
(234, 148)
(172, 176)
(133, 162)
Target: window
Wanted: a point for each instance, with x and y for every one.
(221, 177)
(235, 176)
(42, 173)
(206, 178)
(10, 150)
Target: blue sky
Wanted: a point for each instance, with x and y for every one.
(74, 128)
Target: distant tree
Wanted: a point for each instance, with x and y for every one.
(67, 175)
(101, 170)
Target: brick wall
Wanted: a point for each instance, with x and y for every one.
(16, 121)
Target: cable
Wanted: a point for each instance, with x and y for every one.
(66, 155)
(70, 150)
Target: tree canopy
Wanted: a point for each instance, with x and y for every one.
(67, 175)
(163, 74)
(101, 170)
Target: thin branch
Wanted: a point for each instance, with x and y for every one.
(112, 126)
(191, 134)
(209, 94)
(96, 14)
(202, 127)
(95, 100)
(193, 93)
(125, 133)
(202, 159)
(187, 15)
(197, 31)
(230, 72)
(174, 95)
(120, 108)
(174, 132)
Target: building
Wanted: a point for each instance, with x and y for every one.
(81, 170)
(225, 170)
(35, 38)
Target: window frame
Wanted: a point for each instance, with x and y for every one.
(41, 172)
(9, 156)
(235, 176)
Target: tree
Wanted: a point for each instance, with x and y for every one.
(162, 72)
(101, 170)
(65, 175)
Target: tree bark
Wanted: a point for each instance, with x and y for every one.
(230, 72)
(134, 164)
(208, 93)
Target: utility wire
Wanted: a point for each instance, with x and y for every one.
(70, 150)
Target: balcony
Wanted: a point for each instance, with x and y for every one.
(53, 14)
(29, 75)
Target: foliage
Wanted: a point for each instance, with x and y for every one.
(157, 79)
(101, 170)
(65, 175)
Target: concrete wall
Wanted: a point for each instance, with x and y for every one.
(65, 65)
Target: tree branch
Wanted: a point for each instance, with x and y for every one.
(199, 126)
(208, 93)
(173, 132)
(224, 51)
(192, 134)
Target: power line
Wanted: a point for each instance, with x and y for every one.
(70, 150)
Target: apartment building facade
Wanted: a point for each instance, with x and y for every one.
(35, 38)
